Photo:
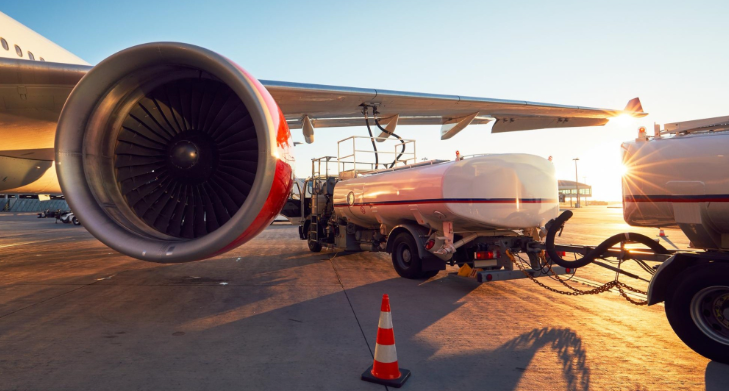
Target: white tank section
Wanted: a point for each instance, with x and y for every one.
(504, 191)
(682, 181)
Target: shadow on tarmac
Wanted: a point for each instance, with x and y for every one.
(159, 327)
(501, 368)
(717, 376)
(564, 342)
(270, 328)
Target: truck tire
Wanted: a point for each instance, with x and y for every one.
(698, 310)
(314, 247)
(405, 257)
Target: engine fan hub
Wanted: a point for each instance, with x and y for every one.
(184, 155)
(192, 157)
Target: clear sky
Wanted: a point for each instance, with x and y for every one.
(672, 54)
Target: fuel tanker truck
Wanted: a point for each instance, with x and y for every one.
(483, 211)
(428, 214)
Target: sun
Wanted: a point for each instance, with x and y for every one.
(623, 170)
(623, 120)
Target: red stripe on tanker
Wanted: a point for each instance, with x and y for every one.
(501, 191)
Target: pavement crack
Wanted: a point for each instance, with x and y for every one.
(43, 301)
(350, 305)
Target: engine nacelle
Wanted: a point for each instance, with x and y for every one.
(169, 152)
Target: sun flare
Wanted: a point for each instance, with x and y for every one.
(623, 120)
(623, 170)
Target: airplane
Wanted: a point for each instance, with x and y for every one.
(169, 152)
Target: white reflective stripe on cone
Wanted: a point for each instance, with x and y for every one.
(385, 353)
(385, 320)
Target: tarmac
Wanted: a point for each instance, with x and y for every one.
(272, 315)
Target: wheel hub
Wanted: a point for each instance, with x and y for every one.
(710, 312)
(721, 309)
(406, 255)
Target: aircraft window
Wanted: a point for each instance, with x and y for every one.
(18, 51)
(5, 44)
(42, 59)
(31, 56)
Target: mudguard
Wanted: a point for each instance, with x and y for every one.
(420, 233)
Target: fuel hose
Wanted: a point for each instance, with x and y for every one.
(402, 142)
(557, 224)
(372, 139)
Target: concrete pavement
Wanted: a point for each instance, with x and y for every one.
(271, 315)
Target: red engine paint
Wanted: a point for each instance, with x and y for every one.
(276, 197)
(283, 176)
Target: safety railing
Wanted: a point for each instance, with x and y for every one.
(355, 155)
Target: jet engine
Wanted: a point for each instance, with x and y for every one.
(169, 152)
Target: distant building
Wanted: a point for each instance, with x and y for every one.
(568, 191)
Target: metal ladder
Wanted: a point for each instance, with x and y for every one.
(314, 228)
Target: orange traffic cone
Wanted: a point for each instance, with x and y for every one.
(385, 369)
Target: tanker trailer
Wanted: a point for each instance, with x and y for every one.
(433, 213)
(677, 178)
(680, 177)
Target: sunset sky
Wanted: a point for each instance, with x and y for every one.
(670, 54)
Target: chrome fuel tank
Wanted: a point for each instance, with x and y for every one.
(680, 181)
(504, 191)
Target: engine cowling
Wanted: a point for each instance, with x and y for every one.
(169, 152)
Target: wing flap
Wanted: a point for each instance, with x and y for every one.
(516, 123)
(297, 123)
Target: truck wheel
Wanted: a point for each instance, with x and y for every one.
(405, 257)
(698, 310)
(314, 247)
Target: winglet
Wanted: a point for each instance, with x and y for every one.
(634, 106)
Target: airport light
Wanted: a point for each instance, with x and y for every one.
(577, 184)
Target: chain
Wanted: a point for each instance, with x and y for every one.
(578, 292)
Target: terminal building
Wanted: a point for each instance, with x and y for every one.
(568, 192)
(31, 203)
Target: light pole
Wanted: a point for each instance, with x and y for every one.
(577, 184)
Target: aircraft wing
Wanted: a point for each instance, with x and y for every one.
(34, 93)
(332, 106)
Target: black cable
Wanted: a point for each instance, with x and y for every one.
(645, 267)
(557, 224)
(377, 122)
(374, 146)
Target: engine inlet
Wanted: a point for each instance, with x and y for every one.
(186, 157)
